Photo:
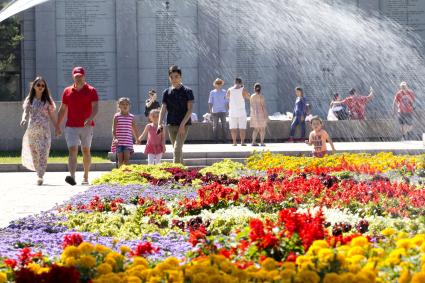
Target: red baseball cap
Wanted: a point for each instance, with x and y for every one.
(78, 71)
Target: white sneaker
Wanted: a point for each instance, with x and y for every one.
(40, 181)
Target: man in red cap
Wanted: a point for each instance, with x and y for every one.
(80, 105)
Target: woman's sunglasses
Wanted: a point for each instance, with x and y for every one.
(40, 85)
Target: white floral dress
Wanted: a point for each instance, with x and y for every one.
(37, 139)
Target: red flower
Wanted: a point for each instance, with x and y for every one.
(12, 263)
(257, 230)
(197, 236)
(72, 240)
(269, 241)
(292, 257)
(143, 249)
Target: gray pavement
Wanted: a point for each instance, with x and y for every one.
(20, 196)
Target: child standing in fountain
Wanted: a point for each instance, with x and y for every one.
(123, 130)
(155, 145)
(318, 138)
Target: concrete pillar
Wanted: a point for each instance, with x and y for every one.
(127, 53)
(45, 46)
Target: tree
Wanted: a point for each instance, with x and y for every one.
(10, 67)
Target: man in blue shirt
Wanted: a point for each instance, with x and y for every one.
(218, 106)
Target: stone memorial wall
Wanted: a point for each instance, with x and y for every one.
(85, 32)
(127, 46)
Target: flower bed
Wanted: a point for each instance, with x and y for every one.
(351, 218)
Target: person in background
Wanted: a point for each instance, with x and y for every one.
(123, 130)
(237, 95)
(308, 112)
(259, 115)
(403, 105)
(155, 145)
(151, 103)
(339, 111)
(80, 105)
(299, 115)
(39, 108)
(177, 103)
(318, 138)
(218, 106)
(356, 104)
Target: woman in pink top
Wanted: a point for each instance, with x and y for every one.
(155, 145)
(318, 138)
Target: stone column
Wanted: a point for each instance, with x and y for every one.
(127, 53)
(45, 46)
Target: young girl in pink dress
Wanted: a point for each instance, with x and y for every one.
(155, 145)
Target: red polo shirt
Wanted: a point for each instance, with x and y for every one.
(79, 104)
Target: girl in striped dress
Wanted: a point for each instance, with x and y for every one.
(123, 129)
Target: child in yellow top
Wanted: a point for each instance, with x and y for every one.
(318, 138)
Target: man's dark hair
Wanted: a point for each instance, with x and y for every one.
(238, 80)
(298, 88)
(335, 96)
(174, 69)
(352, 91)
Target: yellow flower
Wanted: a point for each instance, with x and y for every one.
(104, 268)
(307, 276)
(348, 278)
(70, 261)
(102, 249)
(36, 268)
(87, 261)
(288, 265)
(402, 235)
(137, 260)
(356, 250)
(124, 250)
(418, 277)
(3, 277)
(405, 244)
(388, 232)
(418, 240)
(360, 242)
(133, 279)
(331, 278)
(325, 254)
(378, 252)
(86, 248)
(405, 277)
(287, 273)
(70, 251)
(269, 264)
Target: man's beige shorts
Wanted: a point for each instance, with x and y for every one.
(79, 136)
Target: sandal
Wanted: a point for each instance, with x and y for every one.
(254, 144)
(85, 183)
(263, 144)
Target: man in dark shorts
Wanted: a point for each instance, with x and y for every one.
(177, 102)
(80, 105)
(403, 106)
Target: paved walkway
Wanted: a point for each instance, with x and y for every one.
(20, 196)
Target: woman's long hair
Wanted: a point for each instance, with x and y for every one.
(45, 96)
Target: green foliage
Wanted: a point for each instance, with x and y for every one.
(10, 38)
(226, 167)
(134, 174)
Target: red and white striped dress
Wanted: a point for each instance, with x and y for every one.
(124, 131)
